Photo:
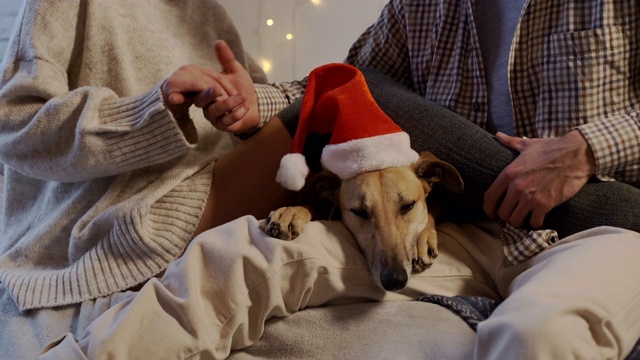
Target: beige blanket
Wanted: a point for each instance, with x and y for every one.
(386, 330)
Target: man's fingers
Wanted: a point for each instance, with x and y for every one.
(511, 142)
(223, 106)
(540, 209)
(207, 97)
(234, 116)
(231, 121)
(494, 195)
(227, 113)
(225, 57)
(537, 219)
(508, 205)
(519, 214)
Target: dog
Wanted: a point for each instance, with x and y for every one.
(386, 211)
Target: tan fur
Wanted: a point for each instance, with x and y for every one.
(387, 213)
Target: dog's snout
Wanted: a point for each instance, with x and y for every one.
(394, 278)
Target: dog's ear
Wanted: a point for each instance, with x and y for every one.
(430, 168)
(328, 185)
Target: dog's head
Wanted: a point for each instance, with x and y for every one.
(386, 211)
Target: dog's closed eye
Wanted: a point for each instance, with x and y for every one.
(361, 213)
(407, 207)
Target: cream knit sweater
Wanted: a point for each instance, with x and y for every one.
(103, 189)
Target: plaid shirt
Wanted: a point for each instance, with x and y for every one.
(572, 66)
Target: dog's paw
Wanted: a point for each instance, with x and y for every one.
(420, 264)
(432, 252)
(286, 223)
(426, 251)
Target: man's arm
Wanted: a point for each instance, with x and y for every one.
(383, 46)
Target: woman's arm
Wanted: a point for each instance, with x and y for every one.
(50, 130)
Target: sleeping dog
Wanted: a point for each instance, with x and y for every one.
(387, 212)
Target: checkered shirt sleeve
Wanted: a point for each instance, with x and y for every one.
(616, 146)
(274, 97)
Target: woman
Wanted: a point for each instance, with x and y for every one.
(107, 165)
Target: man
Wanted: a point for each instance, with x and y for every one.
(566, 98)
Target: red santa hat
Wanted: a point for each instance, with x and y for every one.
(363, 138)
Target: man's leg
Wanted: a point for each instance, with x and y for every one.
(579, 299)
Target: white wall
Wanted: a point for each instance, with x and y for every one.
(322, 30)
(8, 11)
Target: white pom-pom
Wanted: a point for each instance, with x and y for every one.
(293, 171)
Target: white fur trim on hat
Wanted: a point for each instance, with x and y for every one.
(357, 156)
(293, 171)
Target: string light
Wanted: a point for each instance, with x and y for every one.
(274, 40)
(274, 27)
(266, 65)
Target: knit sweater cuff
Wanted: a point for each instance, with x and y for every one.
(142, 131)
(141, 244)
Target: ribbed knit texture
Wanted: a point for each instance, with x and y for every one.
(138, 247)
(103, 187)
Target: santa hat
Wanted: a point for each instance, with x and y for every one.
(363, 138)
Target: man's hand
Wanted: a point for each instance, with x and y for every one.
(232, 106)
(547, 173)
